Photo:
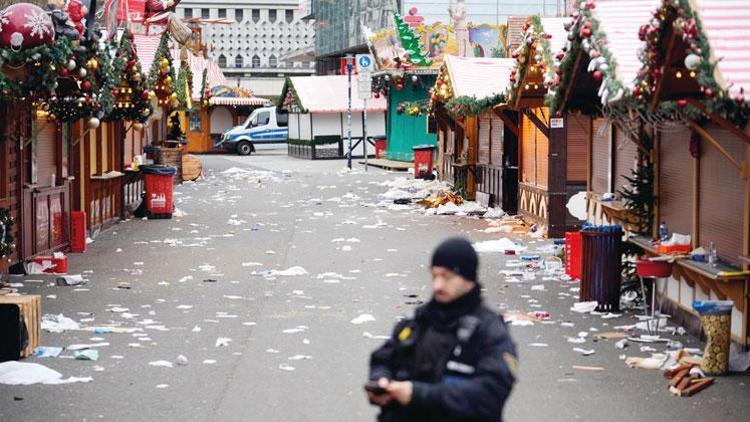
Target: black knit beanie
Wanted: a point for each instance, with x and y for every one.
(457, 255)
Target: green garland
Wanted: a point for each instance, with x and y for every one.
(410, 41)
(91, 95)
(128, 74)
(415, 108)
(286, 91)
(184, 84)
(534, 35)
(7, 245)
(157, 76)
(471, 106)
(678, 15)
(585, 35)
(39, 65)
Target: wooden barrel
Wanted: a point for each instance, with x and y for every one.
(191, 167)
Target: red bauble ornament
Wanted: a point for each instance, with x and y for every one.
(439, 82)
(598, 75)
(64, 71)
(560, 55)
(24, 26)
(586, 32)
(86, 85)
(116, 91)
(377, 95)
(434, 98)
(144, 94)
(637, 90)
(682, 103)
(547, 36)
(525, 26)
(591, 5)
(709, 92)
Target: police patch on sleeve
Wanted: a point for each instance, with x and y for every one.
(404, 334)
(511, 362)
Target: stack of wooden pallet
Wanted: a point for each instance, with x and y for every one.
(684, 381)
(31, 311)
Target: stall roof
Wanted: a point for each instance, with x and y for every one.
(620, 20)
(328, 94)
(478, 77)
(146, 46)
(556, 28)
(726, 24)
(239, 101)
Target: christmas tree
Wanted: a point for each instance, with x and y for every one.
(410, 42)
(162, 76)
(131, 95)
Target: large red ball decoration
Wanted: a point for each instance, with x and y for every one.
(86, 85)
(25, 25)
(598, 75)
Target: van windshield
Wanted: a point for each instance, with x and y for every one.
(250, 121)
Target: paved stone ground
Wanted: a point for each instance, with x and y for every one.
(304, 322)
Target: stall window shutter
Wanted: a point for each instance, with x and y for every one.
(45, 151)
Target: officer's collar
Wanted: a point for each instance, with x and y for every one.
(447, 312)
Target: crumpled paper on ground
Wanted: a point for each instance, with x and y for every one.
(20, 373)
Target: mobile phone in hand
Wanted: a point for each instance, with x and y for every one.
(374, 388)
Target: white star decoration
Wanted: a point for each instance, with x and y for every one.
(39, 24)
(4, 15)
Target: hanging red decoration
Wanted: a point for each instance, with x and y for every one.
(682, 103)
(598, 75)
(86, 85)
(24, 25)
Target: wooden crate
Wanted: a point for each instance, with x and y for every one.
(31, 309)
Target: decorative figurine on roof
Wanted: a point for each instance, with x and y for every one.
(413, 19)
(156, 8)
(64, 26)
(458, 16)
(77, 13)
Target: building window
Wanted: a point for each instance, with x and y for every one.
(222, 61)
(238, 15)
(289, 16)
(205, 14)
(272, 61)
(188, 13)
(256, 15)
(222, 13)
(256, 61)
(272, 15)
(238, 62)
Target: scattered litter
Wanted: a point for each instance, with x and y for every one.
(370, 335)
(300, 357)
(588, 368)
(209, 361)
(161, 363)
(162, 386)
(297, 329)
(22, 373)
(584, 307)
(182, 360)
(58, 323)
(498, 246)
(538, 344)
(70, 280)
(584, 352)
(47, 352)
(223, 341)
(286, 367)
(362, 319)
(88, 354)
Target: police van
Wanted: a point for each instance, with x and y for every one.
(266, 125)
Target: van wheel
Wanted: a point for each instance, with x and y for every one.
(244, 148)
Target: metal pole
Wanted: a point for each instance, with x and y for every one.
(364, 130)
(349, 110)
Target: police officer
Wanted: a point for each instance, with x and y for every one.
(454, 361)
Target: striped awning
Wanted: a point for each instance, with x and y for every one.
(145, 47)
(480, 77)
(620, 21)
(726, 24)
(214, 76)
(239, 101)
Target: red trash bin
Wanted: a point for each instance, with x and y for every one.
(380, 147)
(573, 251)
(159, 187)
(78, 231)
(423, 155)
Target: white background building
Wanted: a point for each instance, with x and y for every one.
(254, 48)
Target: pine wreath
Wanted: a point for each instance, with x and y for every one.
(7, 246)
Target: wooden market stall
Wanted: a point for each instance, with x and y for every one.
(694, 82)
(318, 126)
(594, 87)
(476, 151)
(551, 147)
